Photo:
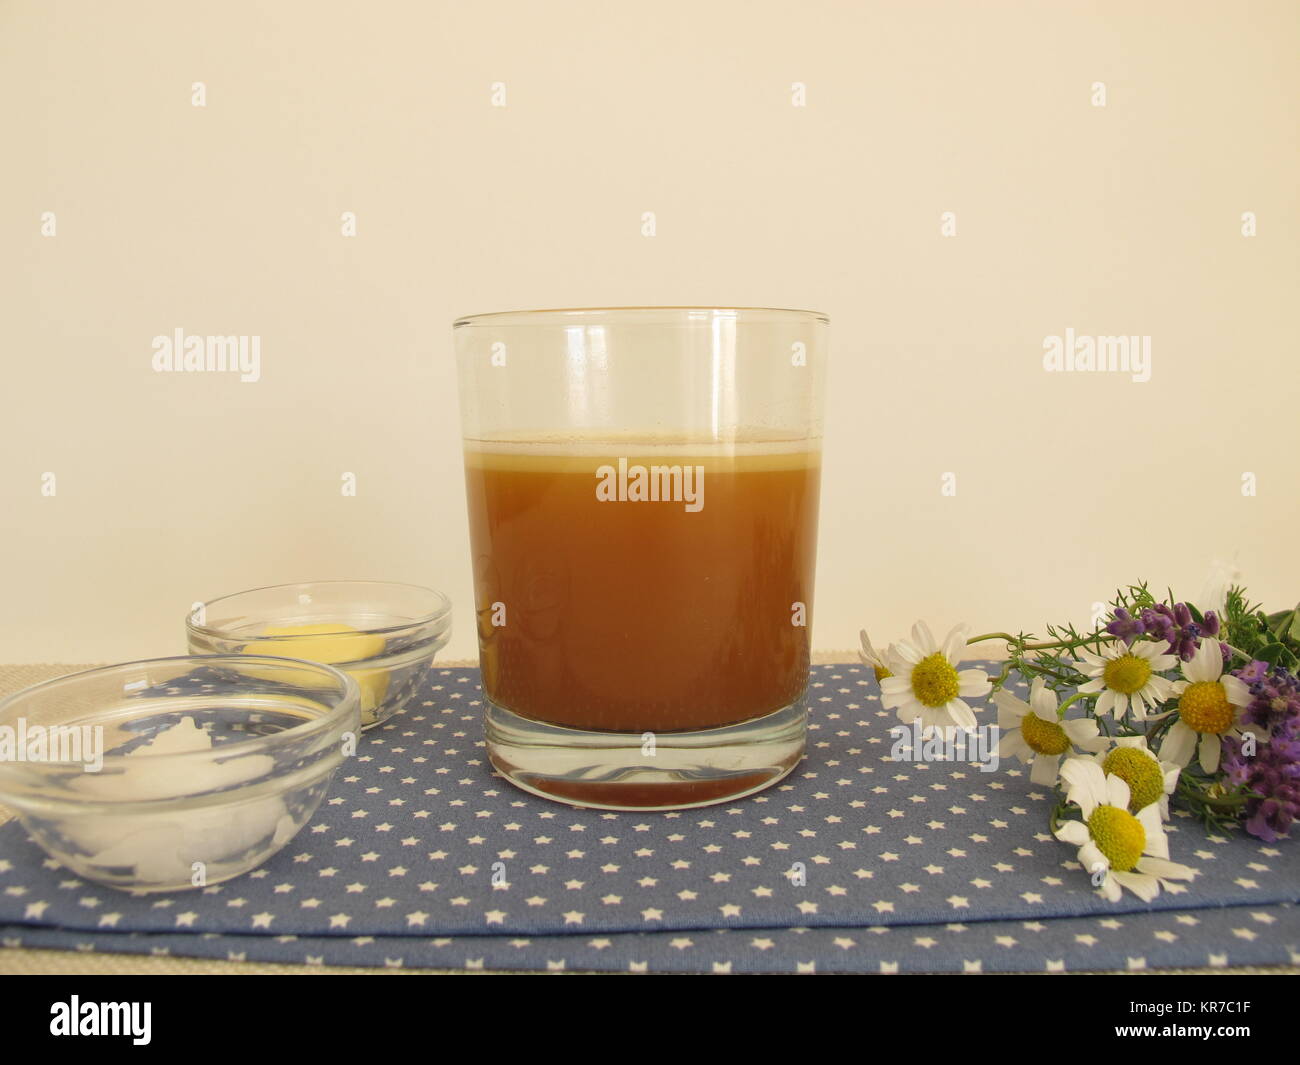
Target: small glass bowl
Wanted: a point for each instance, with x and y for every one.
(383, 635)
(206, 765)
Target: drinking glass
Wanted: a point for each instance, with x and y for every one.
(642, 491)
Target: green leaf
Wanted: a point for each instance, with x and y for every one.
(1197, 616)
(1278, 654)
(1293, 633)
(1279, 621)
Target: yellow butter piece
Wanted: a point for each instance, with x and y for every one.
(335, 643)
(332, 644)
(374, 686)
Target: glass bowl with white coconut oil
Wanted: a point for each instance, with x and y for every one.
(175, 773)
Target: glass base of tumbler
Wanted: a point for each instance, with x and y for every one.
(645, 771)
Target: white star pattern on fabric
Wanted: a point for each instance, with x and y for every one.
(854, 862)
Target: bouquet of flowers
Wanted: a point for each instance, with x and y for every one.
(1159, 704)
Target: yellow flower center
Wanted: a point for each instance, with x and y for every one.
(1045, 737)
(881, 673)
(1118, 835)
(1141, 772)
(1204, 707)
(934, 681)
(1127, 674)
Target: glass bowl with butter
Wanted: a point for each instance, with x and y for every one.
(383, 635)
(174, 773)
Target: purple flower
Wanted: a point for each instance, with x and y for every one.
(1126, 626)
(1159, 622)
(1274, 699)
(1253, 673)
(1175, 625)
(1273, 772)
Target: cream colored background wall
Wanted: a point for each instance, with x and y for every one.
(226, 219)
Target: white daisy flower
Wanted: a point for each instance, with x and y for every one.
(1119, 849)
(873, 658)
(1149, 780)
(1034, 731)
(1209, 707)
(926, 683)
(1127, 676)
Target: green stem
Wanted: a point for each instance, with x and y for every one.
(1094, 637)
(1054, 818)
(1038, 667)
(1157, 729)
(1060, 711)
(1001, 678)
(992, 636)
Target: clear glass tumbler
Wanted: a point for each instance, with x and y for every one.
(643, 488)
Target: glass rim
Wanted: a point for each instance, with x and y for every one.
(704, 312)
(347, 700)
(440, 612)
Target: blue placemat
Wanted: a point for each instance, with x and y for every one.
(1251, 935)
(421, 854)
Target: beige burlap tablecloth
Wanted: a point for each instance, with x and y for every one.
(20, 961)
